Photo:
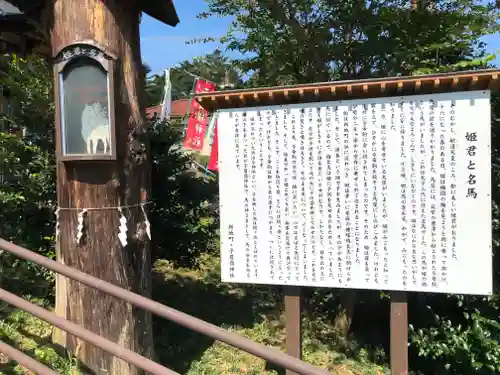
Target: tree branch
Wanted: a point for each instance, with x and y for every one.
(279, 11)
(285, 14)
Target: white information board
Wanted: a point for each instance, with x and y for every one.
(382, 193)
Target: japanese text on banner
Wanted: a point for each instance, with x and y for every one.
(198, 119)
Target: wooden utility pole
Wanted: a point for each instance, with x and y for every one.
(114, 25)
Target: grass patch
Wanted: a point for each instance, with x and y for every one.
(33, 337)
(252, 311)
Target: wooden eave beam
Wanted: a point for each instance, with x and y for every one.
(346, 90)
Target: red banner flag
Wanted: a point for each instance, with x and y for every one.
(198, 119)
(213, 163)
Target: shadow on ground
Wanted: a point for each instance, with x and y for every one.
(245, 307)
(42, 344)
(220, 304)
(227, 305)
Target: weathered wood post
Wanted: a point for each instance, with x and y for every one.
(293, 316)
(106, 35)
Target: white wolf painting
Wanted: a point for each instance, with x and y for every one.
(95, 127)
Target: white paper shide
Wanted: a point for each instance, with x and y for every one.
(386, 194)
(80, 228)
(123, 229)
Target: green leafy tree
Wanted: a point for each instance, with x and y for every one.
(183, 210)
(153, 90)
(214, 66)
(27, 172)
(287, 42)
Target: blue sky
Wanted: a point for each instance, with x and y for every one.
(163, 46)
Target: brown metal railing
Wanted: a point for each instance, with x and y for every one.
(99, 341)
(25, 360)
(269, 354)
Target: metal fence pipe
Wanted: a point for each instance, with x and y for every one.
(99, 341)
(270, 354)
(25, 360)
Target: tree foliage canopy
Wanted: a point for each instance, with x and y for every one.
(288, 42)
(214, 66)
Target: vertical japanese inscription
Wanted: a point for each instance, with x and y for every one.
(347, 197)
(424, 129)
(338, 198)
(471, 138)
(366, 155)
(286, 195)
(383, 166)
(262, 167)
(403, 194)
(453, 179)
(237, 140)
(237, 157)
(278, 139)
(375, 168)
(329, 150)
(295, 194)
(319, 196)
(246, 190)
(303, 195)
(365, 159)
(357, 118)
(312, 182)
(413, 193)
(271, 225)
(253, 174)
(432, 193)
(230, 238)
(443, 159)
